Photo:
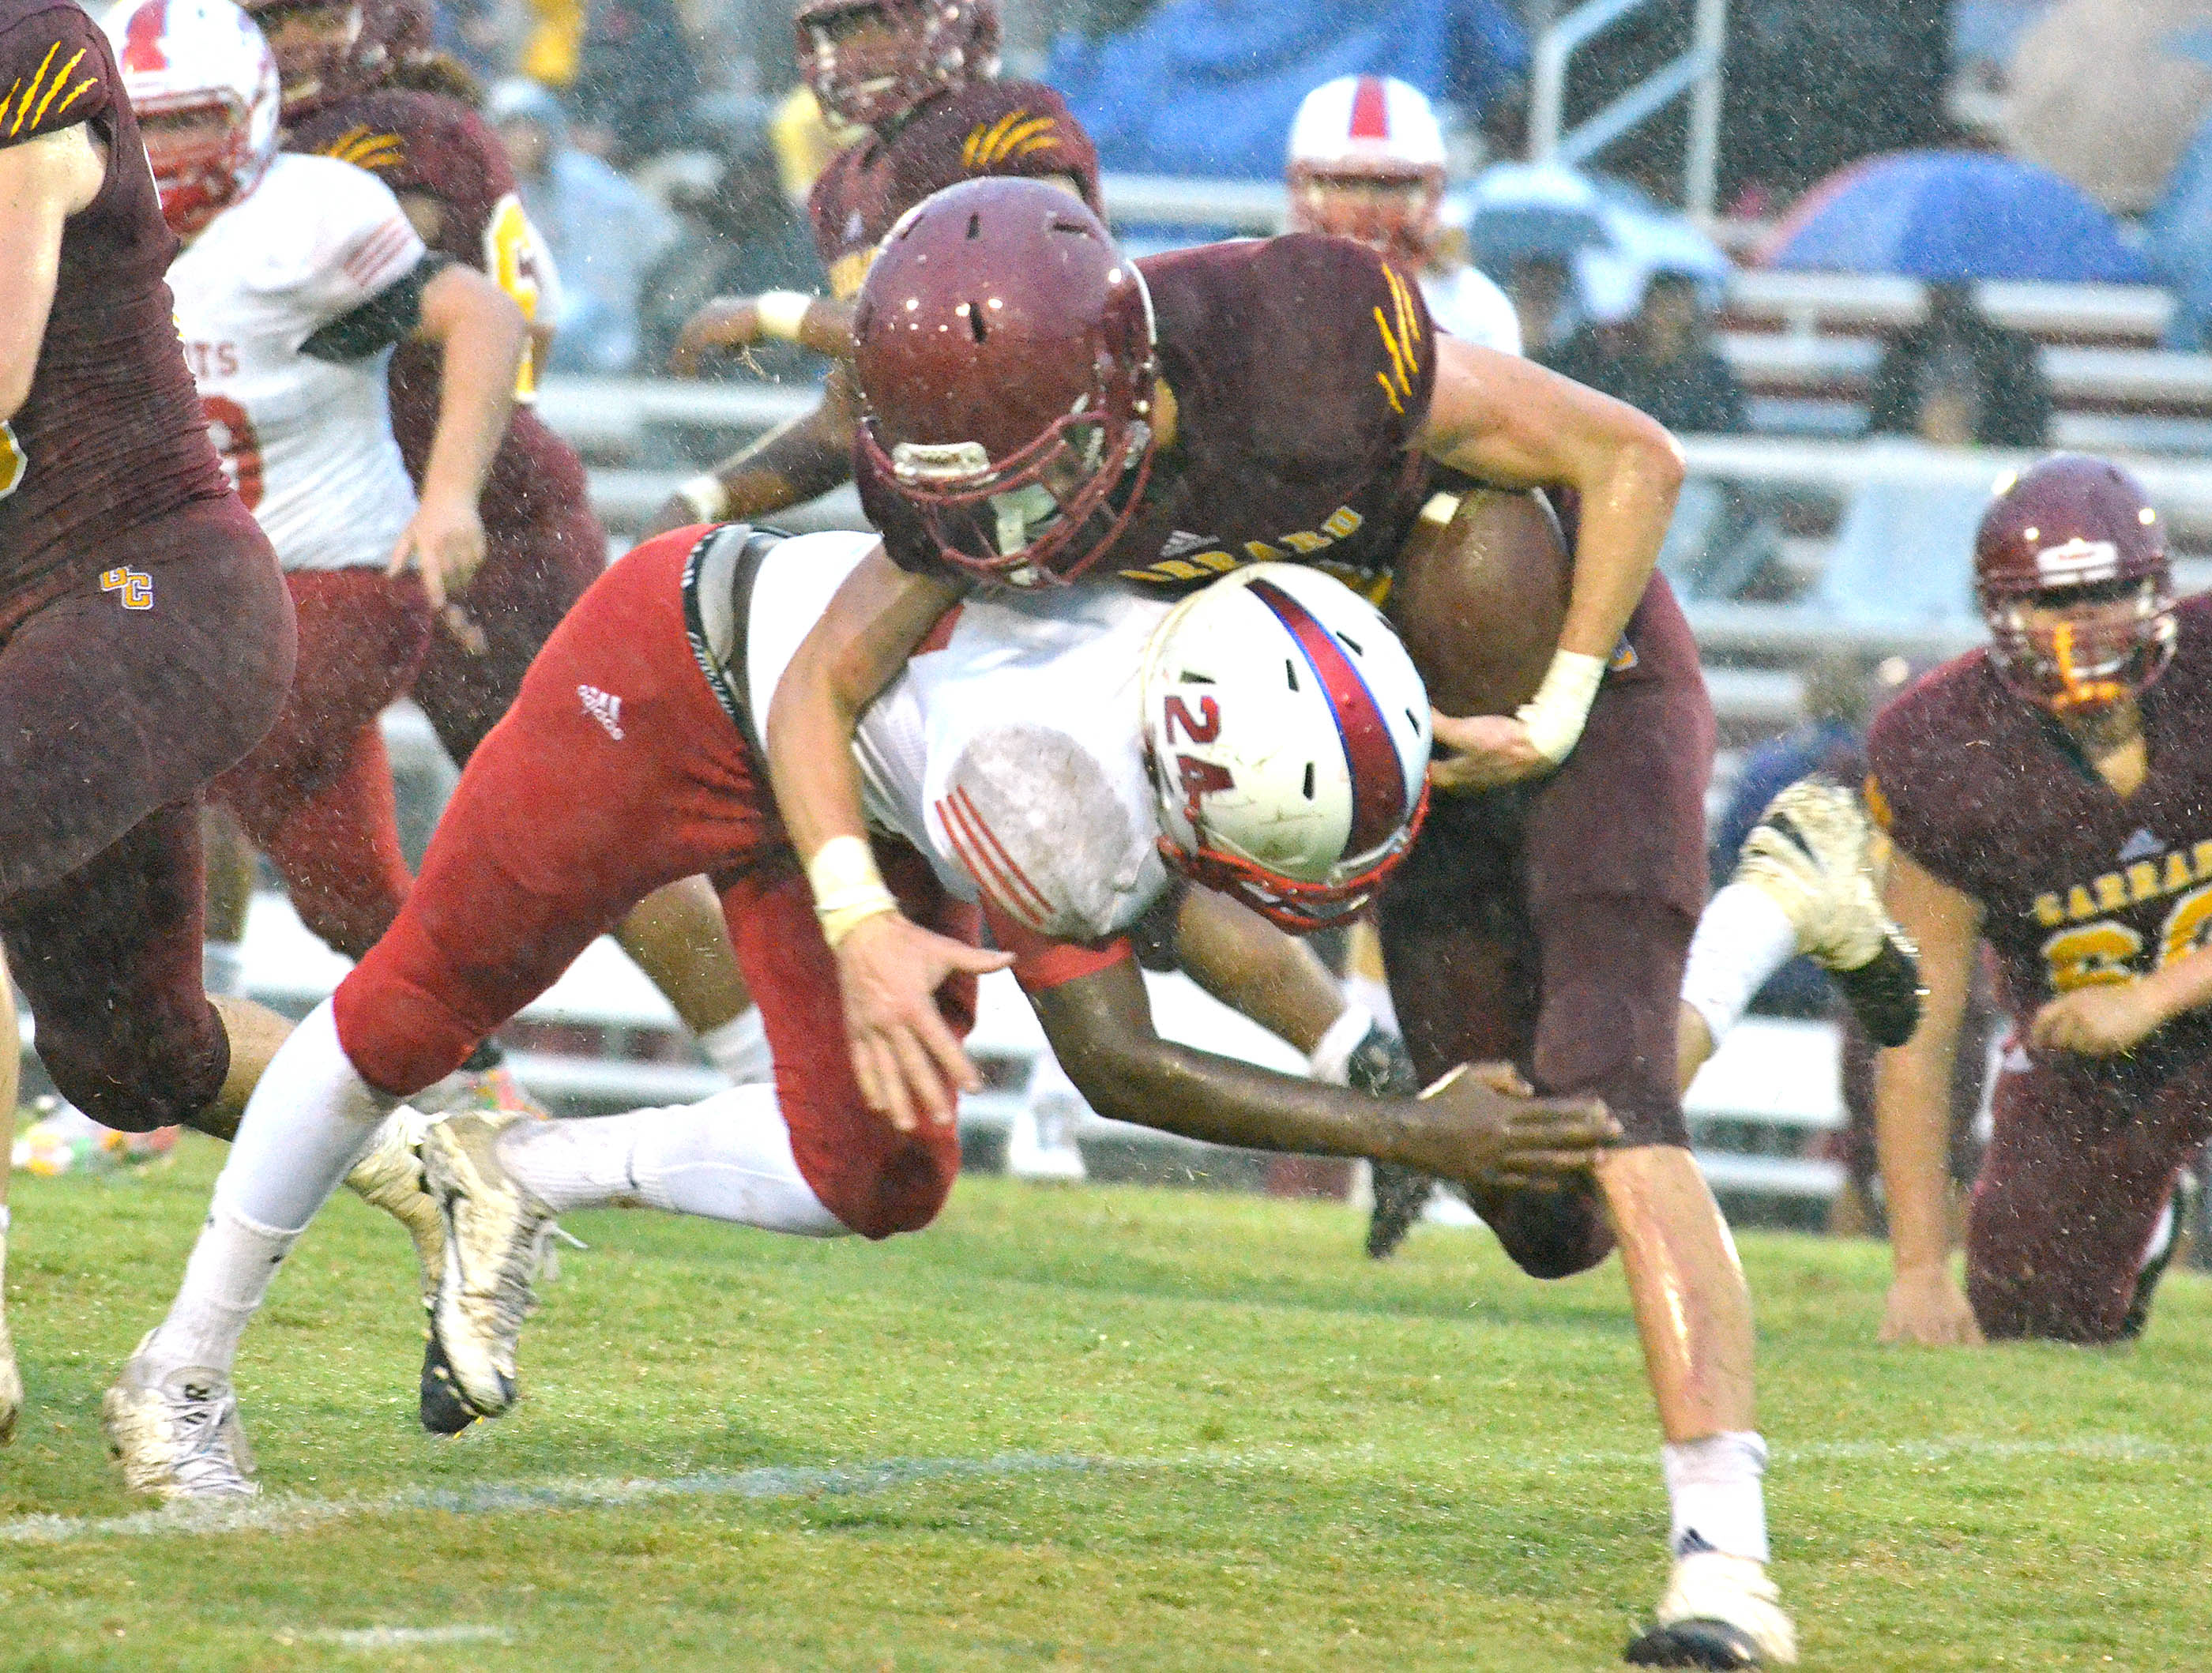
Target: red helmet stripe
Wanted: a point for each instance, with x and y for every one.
(141, 38)
(1378, 781)
(1370, 109)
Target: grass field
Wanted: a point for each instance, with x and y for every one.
(1087, 1429)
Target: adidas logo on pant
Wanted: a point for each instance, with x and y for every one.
(605, 707)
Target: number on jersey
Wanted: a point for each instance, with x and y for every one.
(13, 465)
(2093, 954)
(516, 258)
(235, 438)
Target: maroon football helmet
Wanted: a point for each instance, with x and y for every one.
(357, 59)
(2075, 539)
(1004, 350)
(920, 48)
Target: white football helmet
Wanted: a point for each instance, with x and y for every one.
(1355, 139)
(198, 58)
(1287, 734)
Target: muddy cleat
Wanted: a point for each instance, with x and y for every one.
(1381, 1067)
(177, 1435)
(1812, 852)
(495, 1234)
(1719, 1611)
(390, 1177)
(442, 1407)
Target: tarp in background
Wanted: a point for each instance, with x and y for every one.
(1209, 86)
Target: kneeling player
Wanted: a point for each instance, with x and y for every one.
(2052, 793)
(1014, 755)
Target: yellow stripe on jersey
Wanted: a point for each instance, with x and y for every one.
(1402, 363)
(364, 148)
(57, 86)
(1038, 133)
(981, 139)
(83, 87)
(23, 110)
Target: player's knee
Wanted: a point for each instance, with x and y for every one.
(1549, 1234)
(899, 1187)
(137, 1074)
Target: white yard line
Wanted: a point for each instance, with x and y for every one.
(291, 1514)
(398, 1638)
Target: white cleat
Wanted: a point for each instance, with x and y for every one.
(177, 1435)
(390, 1177)
(495, 1234)
(1719, 1611)
(11, 1381)
(1813, 853)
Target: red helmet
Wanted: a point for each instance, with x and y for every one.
(926, 46)
(1004, 350)
(2076, 534)
(358, 60)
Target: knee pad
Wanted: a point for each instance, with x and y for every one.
(899, 1188)
(139, 1074)
(1548, 1233)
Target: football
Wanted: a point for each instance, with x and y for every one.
(1479, 595)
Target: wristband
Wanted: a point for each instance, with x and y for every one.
(847, 888)
(707, 496)
(782, 312)
(1555, 714)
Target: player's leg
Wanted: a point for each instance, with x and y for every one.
(231, 869)
(11, 1066)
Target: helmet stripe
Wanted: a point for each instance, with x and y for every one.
(1370, 109)
(1378, 781)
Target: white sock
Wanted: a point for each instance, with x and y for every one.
(1374, 995)
(308, 1121)
(1332, 1057)
(727, 1158)
(740, 1048)
(1714, 1493)
(223, 968)
(1743, 939)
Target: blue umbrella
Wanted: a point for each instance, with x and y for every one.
(1953, 216)
(1519, 210)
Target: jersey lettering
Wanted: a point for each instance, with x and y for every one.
(2105, 953)
(13, 465)
(236, 440)
(514, 256)
(1203, 730)
(136, 587)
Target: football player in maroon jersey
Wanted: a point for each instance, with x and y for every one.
(1041, 410)
(2052, 793)
(363, 83)
(146, 638)
(919, 77)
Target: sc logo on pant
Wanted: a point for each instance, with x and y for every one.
(136, 586)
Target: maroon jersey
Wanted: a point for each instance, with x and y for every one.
(2076, 886)
(110, 436)
(429, 145)
(986, 128)
(1302, 368)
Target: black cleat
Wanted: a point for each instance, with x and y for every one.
(1693, 1644)
(1884, 993)
(445, 1410)
(1381, 1067)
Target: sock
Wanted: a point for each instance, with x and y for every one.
(1372, 993)
(307, 1123)
(727, 1158)
(1713, 1490)
(1743, 939)
(1332, 1057)
(223, 968)
(740, 1048)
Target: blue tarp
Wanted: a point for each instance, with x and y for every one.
(1209, 86)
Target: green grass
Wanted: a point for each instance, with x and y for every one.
(1224, 1440)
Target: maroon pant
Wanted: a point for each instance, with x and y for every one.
(1546, 924)
(118, 705)
(2082, 1161)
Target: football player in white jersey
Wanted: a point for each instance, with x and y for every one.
(299, 274)
(1367, 163)
(1054, 760)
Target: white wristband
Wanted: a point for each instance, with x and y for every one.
(1555, 714)
(847, 888)
(782, 312)
(707, 496)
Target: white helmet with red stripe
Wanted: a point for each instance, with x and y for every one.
(203, 83)
(1287, 734)
(1367, 162)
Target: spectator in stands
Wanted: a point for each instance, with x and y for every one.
(1543, 292)
(636, 81)
(1958, 379)
(1661, 361)
(2180, 231)
(603, 233)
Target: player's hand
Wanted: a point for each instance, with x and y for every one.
(1926, 1310)
(726, 324)
(1481, 752)
(2101, 1022)
(904, 1056)
(676, 513)
(444, 542)
(1479, 1126)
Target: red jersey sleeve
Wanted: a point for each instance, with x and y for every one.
(54, 72)
(1041, 963)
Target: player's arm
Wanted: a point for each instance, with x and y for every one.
(908, 1062)
(1101, 1028)
(730, 324)
(1912, 1112)
(2109, 1019)
(43, 182)
(1507, 421)
(789, 465)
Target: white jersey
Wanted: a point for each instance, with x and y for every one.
(1010, 752)
(1467, 305)
(306, 442)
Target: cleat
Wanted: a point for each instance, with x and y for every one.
(1812, 852)
(178, 1435)
(11, 1380)
(442, 1407)
(1719, 1611)
(1381, 1067)
(496, 1237)
(390, 1177)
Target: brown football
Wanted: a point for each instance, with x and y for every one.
(1479, 600)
